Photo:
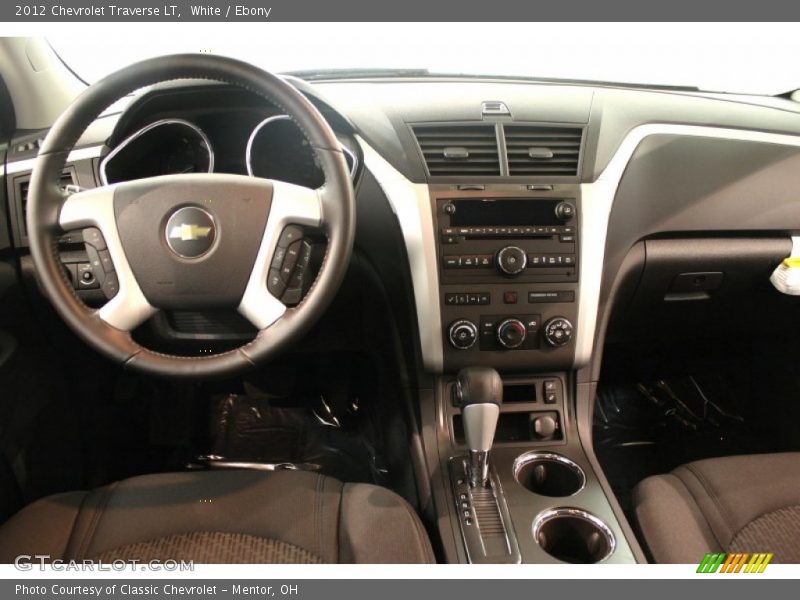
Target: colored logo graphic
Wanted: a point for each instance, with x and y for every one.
(738, 562)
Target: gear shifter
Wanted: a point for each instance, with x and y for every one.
(479, 391)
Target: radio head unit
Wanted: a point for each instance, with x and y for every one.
(494, 212)
(534, 239)
(508, 277)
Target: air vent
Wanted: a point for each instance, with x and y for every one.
(542, 150)
(23, 185)
(459, 150)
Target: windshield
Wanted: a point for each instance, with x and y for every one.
(734, 58)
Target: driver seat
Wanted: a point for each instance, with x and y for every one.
(222, 517)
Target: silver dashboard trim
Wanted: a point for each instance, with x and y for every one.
(597, 199)
(249, 150)
(147, 128)
(95, 208)
(21, 166)
(411, 202)
(291, 204)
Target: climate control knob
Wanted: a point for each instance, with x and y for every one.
(462, 334)
(511, 333)
(512, 260)
(558, 331)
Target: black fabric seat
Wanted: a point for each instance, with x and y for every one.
(731, 504)
(222, 517)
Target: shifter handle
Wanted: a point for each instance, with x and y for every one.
(479, 391)
(479, 385)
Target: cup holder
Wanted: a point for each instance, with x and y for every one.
(573, 536)
(549, 474)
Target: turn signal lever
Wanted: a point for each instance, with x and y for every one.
(479, 392)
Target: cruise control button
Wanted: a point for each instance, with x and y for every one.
(110, 285)
(92, 235)
(106, 262)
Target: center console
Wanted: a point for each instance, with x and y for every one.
(497, 270)
(509, 271)
(508, 275)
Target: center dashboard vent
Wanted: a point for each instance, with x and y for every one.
(459, 150)
(543, 150)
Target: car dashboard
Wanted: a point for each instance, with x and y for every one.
(535, 222)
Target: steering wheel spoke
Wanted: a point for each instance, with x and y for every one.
(94, 208)
(292, 207)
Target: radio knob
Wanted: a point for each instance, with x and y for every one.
(565, 211)
(558, 331)
(512, 260)
(462, 334)
(511, 333)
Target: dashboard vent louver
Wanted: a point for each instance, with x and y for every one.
(543, 150)
(24, 185)
(459, 150)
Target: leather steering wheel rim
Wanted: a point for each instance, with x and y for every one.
(47, 208)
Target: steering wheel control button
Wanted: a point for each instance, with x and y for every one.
(105, 261)
(275, 283)
(292, 254)
(93, 236)
(511, 260)
(277, 260)
(290, 234)
(86, 277)
(565, 211)
(191, 232)
(463, 334)
(511, 333)
(110, 285)
(558, 331)
(292, 296)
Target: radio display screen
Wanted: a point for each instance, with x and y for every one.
(503, 212)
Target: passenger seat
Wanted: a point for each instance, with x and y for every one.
(731, 504)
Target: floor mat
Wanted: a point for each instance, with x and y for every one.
(650, 427)
(249, 428)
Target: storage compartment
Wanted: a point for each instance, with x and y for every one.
(704, 288)
(573, 536)
(519, 392)
(518, 427)
(549, 474)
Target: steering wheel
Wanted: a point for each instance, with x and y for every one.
(193, 241)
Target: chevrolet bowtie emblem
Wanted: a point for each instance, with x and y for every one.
(189, 233)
